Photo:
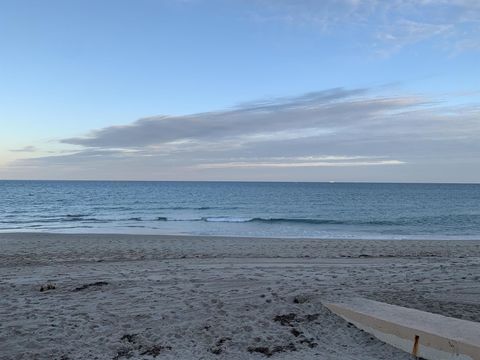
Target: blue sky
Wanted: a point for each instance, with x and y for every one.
(402, 80)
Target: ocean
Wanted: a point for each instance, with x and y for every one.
(319, 210)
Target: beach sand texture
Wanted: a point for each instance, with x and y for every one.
(174, 297)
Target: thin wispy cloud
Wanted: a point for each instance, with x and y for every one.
(384, 26)
(25, 149)
(298, 164)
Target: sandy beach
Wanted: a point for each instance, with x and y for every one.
(177, 297)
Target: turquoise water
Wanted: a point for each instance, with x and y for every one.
(325, 210)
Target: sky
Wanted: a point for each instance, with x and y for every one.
(241, 90)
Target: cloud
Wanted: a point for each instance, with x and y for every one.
(452, 25)
(255, 118)
(357, 115)
(25, 149)
(295, 163)
(403, 33)
(311, 115)
(314, 136)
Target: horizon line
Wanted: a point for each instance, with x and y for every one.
(257, 181)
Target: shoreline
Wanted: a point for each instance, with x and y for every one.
(183, 235)
(126, 296)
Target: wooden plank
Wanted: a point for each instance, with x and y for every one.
(426, 335)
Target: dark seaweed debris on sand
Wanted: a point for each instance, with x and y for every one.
(155, 350)
(300, 299)
(271, 351)
(131, 338)
(134, 344)
(48, 286)
(285, 320)
(292, 320)
(217, 349)
(95, 284)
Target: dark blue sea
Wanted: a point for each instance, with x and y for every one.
(321, 210)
